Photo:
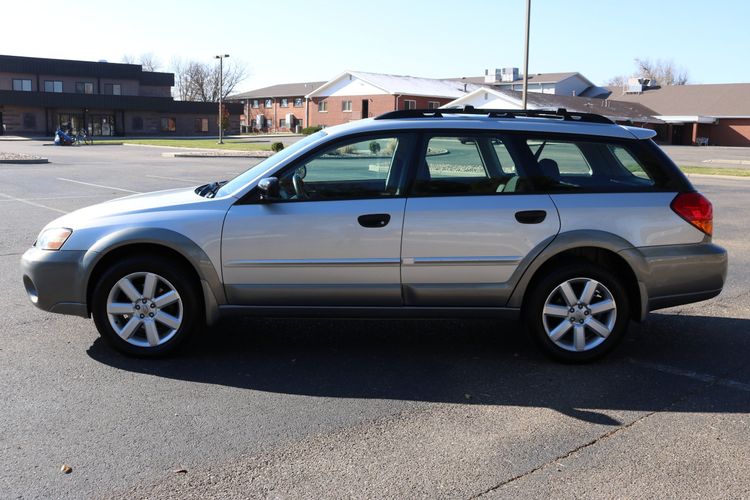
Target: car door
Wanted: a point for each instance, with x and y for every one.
(471, 217)
(332, 236)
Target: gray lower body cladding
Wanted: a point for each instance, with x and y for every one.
(54, 280)
(672, 275)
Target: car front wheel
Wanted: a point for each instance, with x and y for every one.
(146, 306)
(578, 312)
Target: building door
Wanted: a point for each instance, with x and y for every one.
(365, 108)
(677, 132)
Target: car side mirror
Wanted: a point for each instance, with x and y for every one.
(269, 188)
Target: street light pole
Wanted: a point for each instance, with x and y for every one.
(526, 55)
(221, 91)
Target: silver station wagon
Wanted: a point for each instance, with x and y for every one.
(566, 220)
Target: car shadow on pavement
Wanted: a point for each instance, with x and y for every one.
(659, 365)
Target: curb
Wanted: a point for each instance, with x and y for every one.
(29, 161)
(719, 176)
(208, 154)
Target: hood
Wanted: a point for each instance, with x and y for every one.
(157, 201)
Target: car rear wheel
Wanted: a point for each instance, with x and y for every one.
(577, 313)
(146, 306)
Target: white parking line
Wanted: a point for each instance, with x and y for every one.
(183, 179)
(58, 198)
(702, 377)
(39, 205)
(98, 185)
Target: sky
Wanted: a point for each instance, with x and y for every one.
(284, 41)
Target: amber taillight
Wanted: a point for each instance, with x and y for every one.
(696, 209)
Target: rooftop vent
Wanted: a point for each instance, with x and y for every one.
(636, 85)
(498, 75)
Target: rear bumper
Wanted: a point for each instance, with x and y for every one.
(54, 280)
(679, 274)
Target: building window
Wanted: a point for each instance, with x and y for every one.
(137, 123)
(84, 88)
(201, 124)
(53, 86)
(168, 125)
(284, 102)
(256, 103)
(112, 88)
(29, 121)
(346, 106)
(269, 103)
(297, 102)
(22, 85)
(323, 106)
(433, 105)
(410, 104)
(282, 123)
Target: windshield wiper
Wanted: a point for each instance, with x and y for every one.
(209, 190)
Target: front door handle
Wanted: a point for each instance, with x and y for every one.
(374, 220)
(531, 216)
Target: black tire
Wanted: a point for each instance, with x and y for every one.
(543, 289)
(176, 275)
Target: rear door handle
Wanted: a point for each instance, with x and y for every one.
(374, 220)
(531, 216)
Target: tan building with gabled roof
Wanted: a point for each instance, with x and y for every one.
(717, 114)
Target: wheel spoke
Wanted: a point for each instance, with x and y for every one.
(598, 327)
(166, 299)
(130, 327)
(568, 295)
(588, 291)
(579, 337)
(149, 286)
(602, 306)
(120, 308)
(167, 319)
(555, 311)
(152, 334)
(128, 289)
(560, 330)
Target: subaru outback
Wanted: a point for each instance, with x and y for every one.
(566, 220)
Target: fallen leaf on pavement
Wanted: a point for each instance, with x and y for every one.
(66, 469)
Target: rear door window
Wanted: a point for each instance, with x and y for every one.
(465, 165)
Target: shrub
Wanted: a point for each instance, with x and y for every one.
(276, 147)
(349, 149)
(311, 130)
(374, 147)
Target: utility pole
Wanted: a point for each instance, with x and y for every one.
(526, 54)
(221, 92)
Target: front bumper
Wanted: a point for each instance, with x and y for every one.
(673, 275)
(55, 281)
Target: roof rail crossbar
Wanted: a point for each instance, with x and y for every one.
(559, 114)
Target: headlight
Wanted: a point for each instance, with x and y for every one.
(54, 238)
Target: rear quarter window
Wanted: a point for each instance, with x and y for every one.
(596, 165)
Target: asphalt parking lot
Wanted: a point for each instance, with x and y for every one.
(376, 408)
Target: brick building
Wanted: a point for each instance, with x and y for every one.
(107, 99)
(718, 114)
(352, 95)
(278, 108)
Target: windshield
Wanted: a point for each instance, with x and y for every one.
(253, 172)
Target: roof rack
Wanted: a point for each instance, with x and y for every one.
(558, 114)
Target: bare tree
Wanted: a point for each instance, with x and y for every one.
(150, 62)
(660, 72)
(147, 60)
(199, 81)
(617, 81)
